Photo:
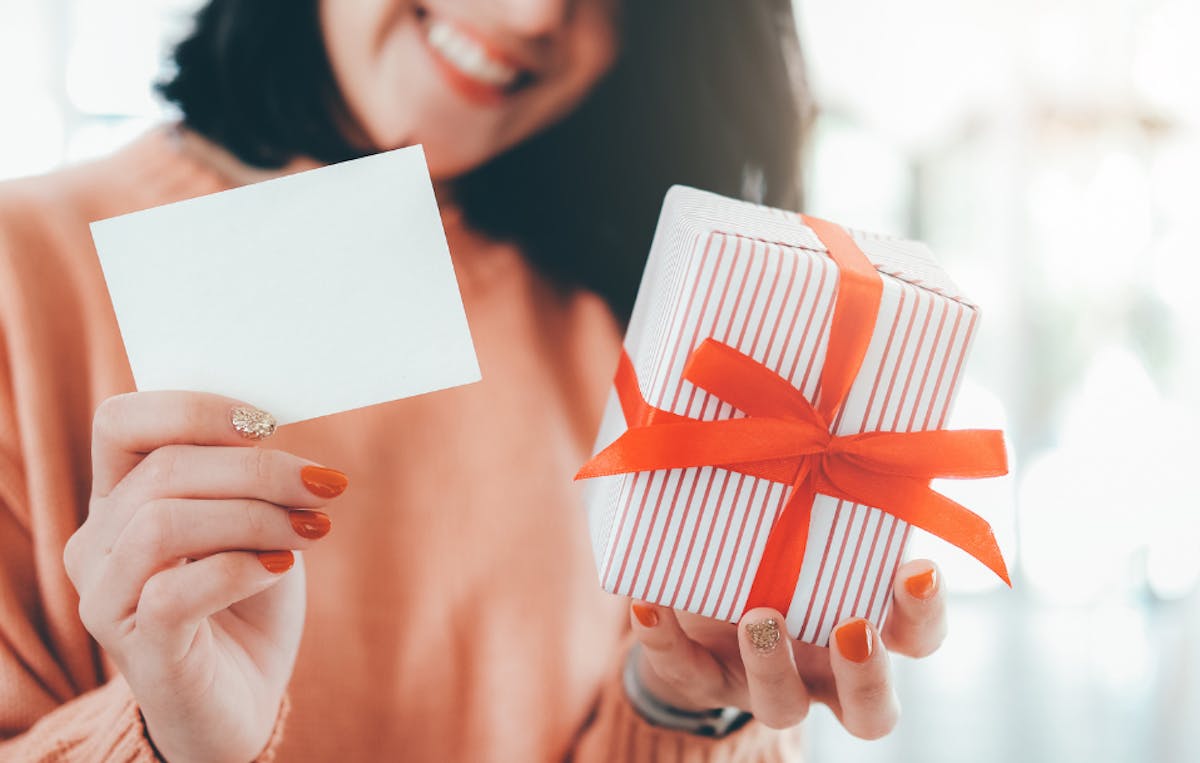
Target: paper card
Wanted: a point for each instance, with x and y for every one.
(306, 295)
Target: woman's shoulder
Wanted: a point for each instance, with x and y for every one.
(28, 215)
(43, 232)
(52, 211)
(57, 327)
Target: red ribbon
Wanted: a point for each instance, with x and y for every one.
(785, 438)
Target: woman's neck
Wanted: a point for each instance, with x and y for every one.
(235, 172)
(229, 167)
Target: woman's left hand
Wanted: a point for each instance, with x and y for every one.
(694, 662)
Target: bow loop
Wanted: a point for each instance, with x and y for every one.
(753, 446)
(746, 384)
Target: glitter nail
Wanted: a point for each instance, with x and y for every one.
(252, 423)
(764, 636)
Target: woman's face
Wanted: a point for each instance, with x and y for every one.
(467, 78)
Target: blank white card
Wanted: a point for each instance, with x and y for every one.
(306, 295)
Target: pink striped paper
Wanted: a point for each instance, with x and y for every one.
(759, 280)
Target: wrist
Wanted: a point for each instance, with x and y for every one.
(652, 699)
(653, 684)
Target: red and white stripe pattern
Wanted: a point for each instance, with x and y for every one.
(758, 280)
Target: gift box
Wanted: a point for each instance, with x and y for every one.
(777, 417)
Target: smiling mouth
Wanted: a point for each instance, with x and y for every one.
(476, 69)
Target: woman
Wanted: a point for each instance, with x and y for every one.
(454, 612)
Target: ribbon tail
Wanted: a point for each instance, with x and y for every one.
(914, 502)
(960, 526)
(774, 583)
(961, 453)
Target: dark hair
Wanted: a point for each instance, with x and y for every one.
(708, 93)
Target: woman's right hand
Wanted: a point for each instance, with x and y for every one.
(182, 566)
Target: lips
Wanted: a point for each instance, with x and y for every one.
(468, 56)
(475, 68)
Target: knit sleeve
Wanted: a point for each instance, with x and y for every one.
(57, 700)
(617, 732)
(101, 726)
(43, 715)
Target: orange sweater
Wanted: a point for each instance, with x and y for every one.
(453, 612)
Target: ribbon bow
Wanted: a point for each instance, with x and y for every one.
(785, 438)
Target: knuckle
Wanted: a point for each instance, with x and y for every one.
(151, 532)
(92, 615)
(110, 412)
(158, 467)
(71, 557)
(194, 412)
(255, 518)
(262, 463)
(86, 614)
(98, 507)
(158, 604)
(230, 569)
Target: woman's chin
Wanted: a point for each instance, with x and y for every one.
(448, 157)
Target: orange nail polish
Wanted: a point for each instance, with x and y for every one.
(921, 585)
(277, 562)
(322, 482)
(646, 615)
(310, 524)
(854, 641)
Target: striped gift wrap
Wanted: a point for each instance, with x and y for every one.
(761, 281)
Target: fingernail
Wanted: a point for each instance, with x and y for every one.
(764, 636)
(922, 585)
(252, 423)
(310, 524)
(646, 615)
(322, 482)
(277, 562)
(855, 641)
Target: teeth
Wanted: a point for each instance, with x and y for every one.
(468, 56)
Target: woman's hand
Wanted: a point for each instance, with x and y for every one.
(694, 662)
(182, 566)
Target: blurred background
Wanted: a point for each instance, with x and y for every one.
(1048, 152)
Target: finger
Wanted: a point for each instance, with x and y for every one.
(174, 602)
(164, 532)
(778, 697)
(687, 670)
(187, 471)
(864, 687)
(127, 427)
(917, 625)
